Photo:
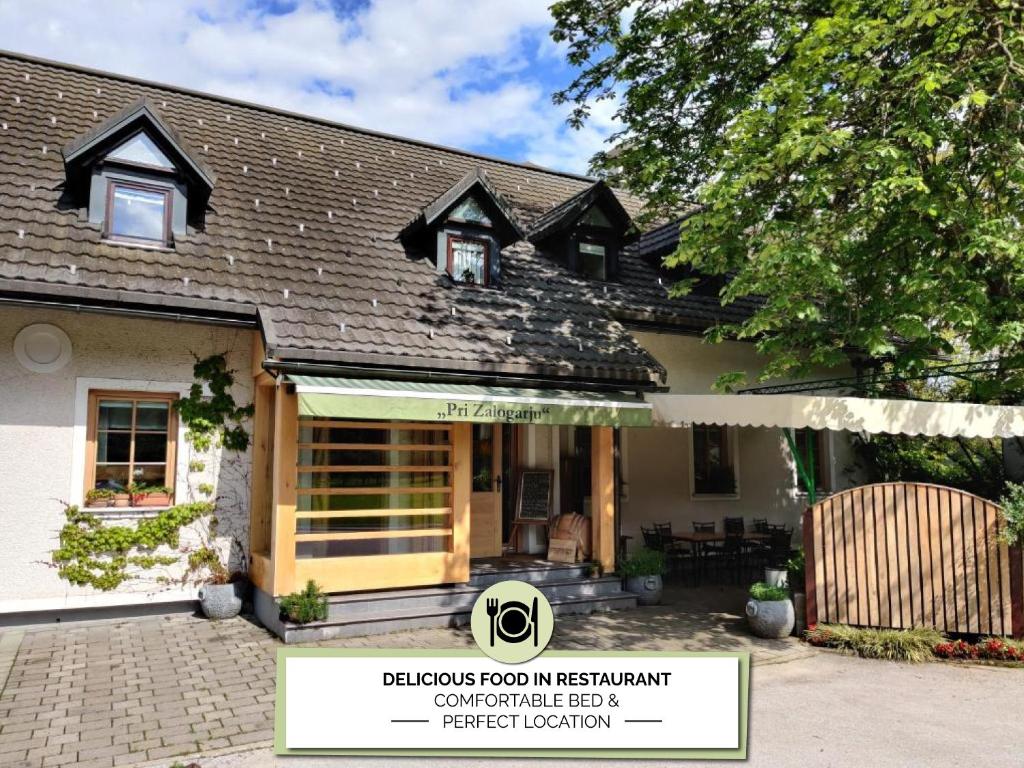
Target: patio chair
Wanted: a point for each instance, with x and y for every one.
(779, 545)
(652, 540)
(760, 525)
(680, 557)
(734, 525)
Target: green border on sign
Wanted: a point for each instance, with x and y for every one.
(740, 753)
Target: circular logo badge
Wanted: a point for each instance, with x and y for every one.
(512, 621)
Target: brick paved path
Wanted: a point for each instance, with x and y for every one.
(119, 693)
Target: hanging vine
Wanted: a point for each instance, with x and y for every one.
(215, 416)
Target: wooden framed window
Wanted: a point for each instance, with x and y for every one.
(138, 213)
(469, 259)
(131, 439)
(714, 471)
(819, 439)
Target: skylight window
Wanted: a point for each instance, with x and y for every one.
(469, 211)
(141, 150)
(595, 217)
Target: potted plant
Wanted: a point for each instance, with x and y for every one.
(222, 593)
(596, 571)
(99, 497)
(770, 611)
(149, 495)
(303, 607)
(643, 571)
(795, 580)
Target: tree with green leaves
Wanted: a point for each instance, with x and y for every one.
(858, 164)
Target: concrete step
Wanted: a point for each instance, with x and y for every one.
(381, 622)
(457, 597)
(542, 570)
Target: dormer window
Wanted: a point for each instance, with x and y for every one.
(468, 260)
(592, 260)
(138, 213)
(464, 231)
(585, 233)
(141, 183)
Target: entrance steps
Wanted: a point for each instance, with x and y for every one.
(568, 587)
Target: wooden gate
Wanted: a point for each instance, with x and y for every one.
(912, 555)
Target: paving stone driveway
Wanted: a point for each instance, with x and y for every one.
(118, 693)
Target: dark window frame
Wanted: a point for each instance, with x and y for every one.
(108, 214)
(450, 239)
(727, 464)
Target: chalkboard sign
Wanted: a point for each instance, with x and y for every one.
(534, 501)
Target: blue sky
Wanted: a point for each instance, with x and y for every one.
(476, 74)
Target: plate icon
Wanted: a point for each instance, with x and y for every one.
(512, 621)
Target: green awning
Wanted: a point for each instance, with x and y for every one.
(416, 401)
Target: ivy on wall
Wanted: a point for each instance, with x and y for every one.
(217, 415)
(93, 553)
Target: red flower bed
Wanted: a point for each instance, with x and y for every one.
(992, 649)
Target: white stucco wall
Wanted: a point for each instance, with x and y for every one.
(657, 465)
(42, 432)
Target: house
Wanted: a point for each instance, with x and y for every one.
(413, 325)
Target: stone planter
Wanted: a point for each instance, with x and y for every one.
(222, 601)
(800, 609)
(770, 618)
(646, 588)
(775, 577)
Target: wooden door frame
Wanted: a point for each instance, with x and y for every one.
(498, 484)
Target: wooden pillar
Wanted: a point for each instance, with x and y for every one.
(462, 487)
(261, 487)
(602, 496)
(285, 477)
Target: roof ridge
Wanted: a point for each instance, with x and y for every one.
(524, 165)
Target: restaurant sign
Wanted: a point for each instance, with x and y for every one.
(406, 401)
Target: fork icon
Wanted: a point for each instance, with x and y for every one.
(492, 611)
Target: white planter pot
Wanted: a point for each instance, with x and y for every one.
(776, 577)
(770, 618)
(646, 588)
(222, 601)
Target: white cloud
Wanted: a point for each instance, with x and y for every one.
(452, 71)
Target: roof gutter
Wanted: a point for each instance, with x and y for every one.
(148, 314)
(277, 367)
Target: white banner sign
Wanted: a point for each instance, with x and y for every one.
(552, 702)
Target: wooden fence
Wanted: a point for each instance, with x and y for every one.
(912, 555)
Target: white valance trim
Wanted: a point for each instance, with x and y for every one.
(906, 417)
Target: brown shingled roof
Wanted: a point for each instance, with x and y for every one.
(302, 227)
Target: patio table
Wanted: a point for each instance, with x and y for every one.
(700, 539)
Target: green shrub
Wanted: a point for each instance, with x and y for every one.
(303, 607)
(768, 593)
(1012, 503)
(644, 562)
(912, 645)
